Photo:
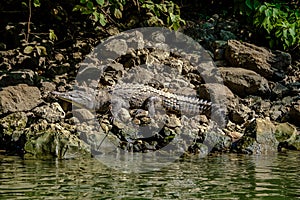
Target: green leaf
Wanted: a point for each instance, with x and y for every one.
(90, 5)
(292, 31)
(262, 8)
(268, 12)
(36, 3)
(249, 4)
(24, 4)
(52, 35)
(118, 13)
(100, 2)
(172, 17)
(271, 43)
(96, 16)
(285, 33)
(164, 8)
(78, 8)
(28, 49)
(102, 20)
(256, 4)
(86, 12)
(278, 33)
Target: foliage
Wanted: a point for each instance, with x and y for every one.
(41, 50)
(165, 13)
(280, 21)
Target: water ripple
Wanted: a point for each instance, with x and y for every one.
(215, 177)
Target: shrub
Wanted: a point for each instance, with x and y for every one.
(280, 21)
(165, 13)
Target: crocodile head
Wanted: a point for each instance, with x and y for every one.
(90, 99)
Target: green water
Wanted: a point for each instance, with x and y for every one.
(225, 176)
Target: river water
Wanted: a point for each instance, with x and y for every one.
(225, 176)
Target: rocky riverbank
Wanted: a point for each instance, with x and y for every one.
(260, 89)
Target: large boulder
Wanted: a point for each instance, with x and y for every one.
(259, 138)
(269, 64)
(244, 82)
(47, 141)
(19, 98)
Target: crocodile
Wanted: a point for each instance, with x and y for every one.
(134, 96)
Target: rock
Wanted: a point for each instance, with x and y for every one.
(52, 113)
(216, 141)
(295, 145)
(295, 113)
(217, 93)
(56, 69)
(12, 137)
(48, 141)
(244, 82)
(276, 112)
(219, 49)
(222, 98)
(259, 138)
(19, 98)
(46, 88)
(240, 114)
(285, 132)
(279, 90)
(173, 122)
(83, 115)
(197, 150)
(288, 137)
(269, 64)
(25, 76)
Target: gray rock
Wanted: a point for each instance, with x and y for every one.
(19, 98)
(83, 115)
(240, 114)
(269, 64)
(217, 141)
(244, 82)
(279, 90)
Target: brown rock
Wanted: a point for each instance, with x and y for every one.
(222, 98)
(244, 82)
(217, 93)
(19, 98)
(269, 64)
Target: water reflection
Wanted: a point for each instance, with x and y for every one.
(226, 176)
